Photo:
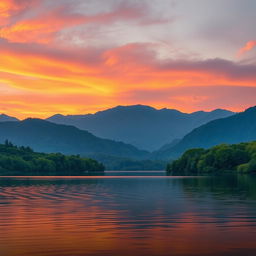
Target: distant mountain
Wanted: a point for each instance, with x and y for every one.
(142, 126)
(235, 129)
(5, 118)
(169, 145)
(44, 136)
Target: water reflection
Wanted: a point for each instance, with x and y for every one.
(227, 186)
(124, 216)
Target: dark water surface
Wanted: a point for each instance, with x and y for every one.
(128, 215)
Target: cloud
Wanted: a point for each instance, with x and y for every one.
(136, 63)
(10, 10)
(43, 28)
(31, 104)
(104, 77)
(194, 98)
(217, 67)
(71, 56)
(247, 47)
(42, 22)
(11, 7)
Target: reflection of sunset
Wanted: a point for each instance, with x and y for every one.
(114, 55)
(119, 217)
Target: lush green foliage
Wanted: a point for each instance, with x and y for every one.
(231, 130)
(24, 161)
(237, 157)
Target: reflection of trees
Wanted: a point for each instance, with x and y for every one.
(238, 186)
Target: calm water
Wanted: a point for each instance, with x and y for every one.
(128, 215)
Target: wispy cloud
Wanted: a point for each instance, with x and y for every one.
(247, 47)
(42, 21)
(70, 56)
(108, 73)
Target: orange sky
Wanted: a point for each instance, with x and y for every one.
(68, 58)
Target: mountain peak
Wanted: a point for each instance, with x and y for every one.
(44, 136)
(140, 125)
(133, 107)
(56, 116)
(31, 119)
(233, 129)
(6, 118)
(250, 110)
(221, 110)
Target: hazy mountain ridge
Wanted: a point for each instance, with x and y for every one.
(6, 118)
(44, 136)
(142, 126)
(234, 129)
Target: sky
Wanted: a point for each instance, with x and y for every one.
(82, 56)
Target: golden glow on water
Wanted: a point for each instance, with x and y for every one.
(129, 216)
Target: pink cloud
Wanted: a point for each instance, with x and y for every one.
(194, 98)
(42, 23)
(247, 47)
(132, 73)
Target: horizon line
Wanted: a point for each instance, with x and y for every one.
(132, 105)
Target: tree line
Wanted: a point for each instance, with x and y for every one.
(16, 160)
(236, 157)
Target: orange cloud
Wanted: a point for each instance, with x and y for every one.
(31, 104)
(8, 7)
(40, 81)
(43, 21)
(44, 25)
(40, 75)
(248, 46)
(11, 8)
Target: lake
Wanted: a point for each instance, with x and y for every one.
(128, 213)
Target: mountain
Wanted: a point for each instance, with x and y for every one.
(44, 136)
(142, 126)
(169, 145)
(5, 118)
(234, 129)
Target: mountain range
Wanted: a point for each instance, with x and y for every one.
(238, 128)
(142, 126)
(44, 136)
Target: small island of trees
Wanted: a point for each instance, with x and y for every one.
(23, 161)
(240, 158)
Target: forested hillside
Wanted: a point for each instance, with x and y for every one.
(239, 158)
(24, 161)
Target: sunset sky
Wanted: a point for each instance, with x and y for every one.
(81, 56)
